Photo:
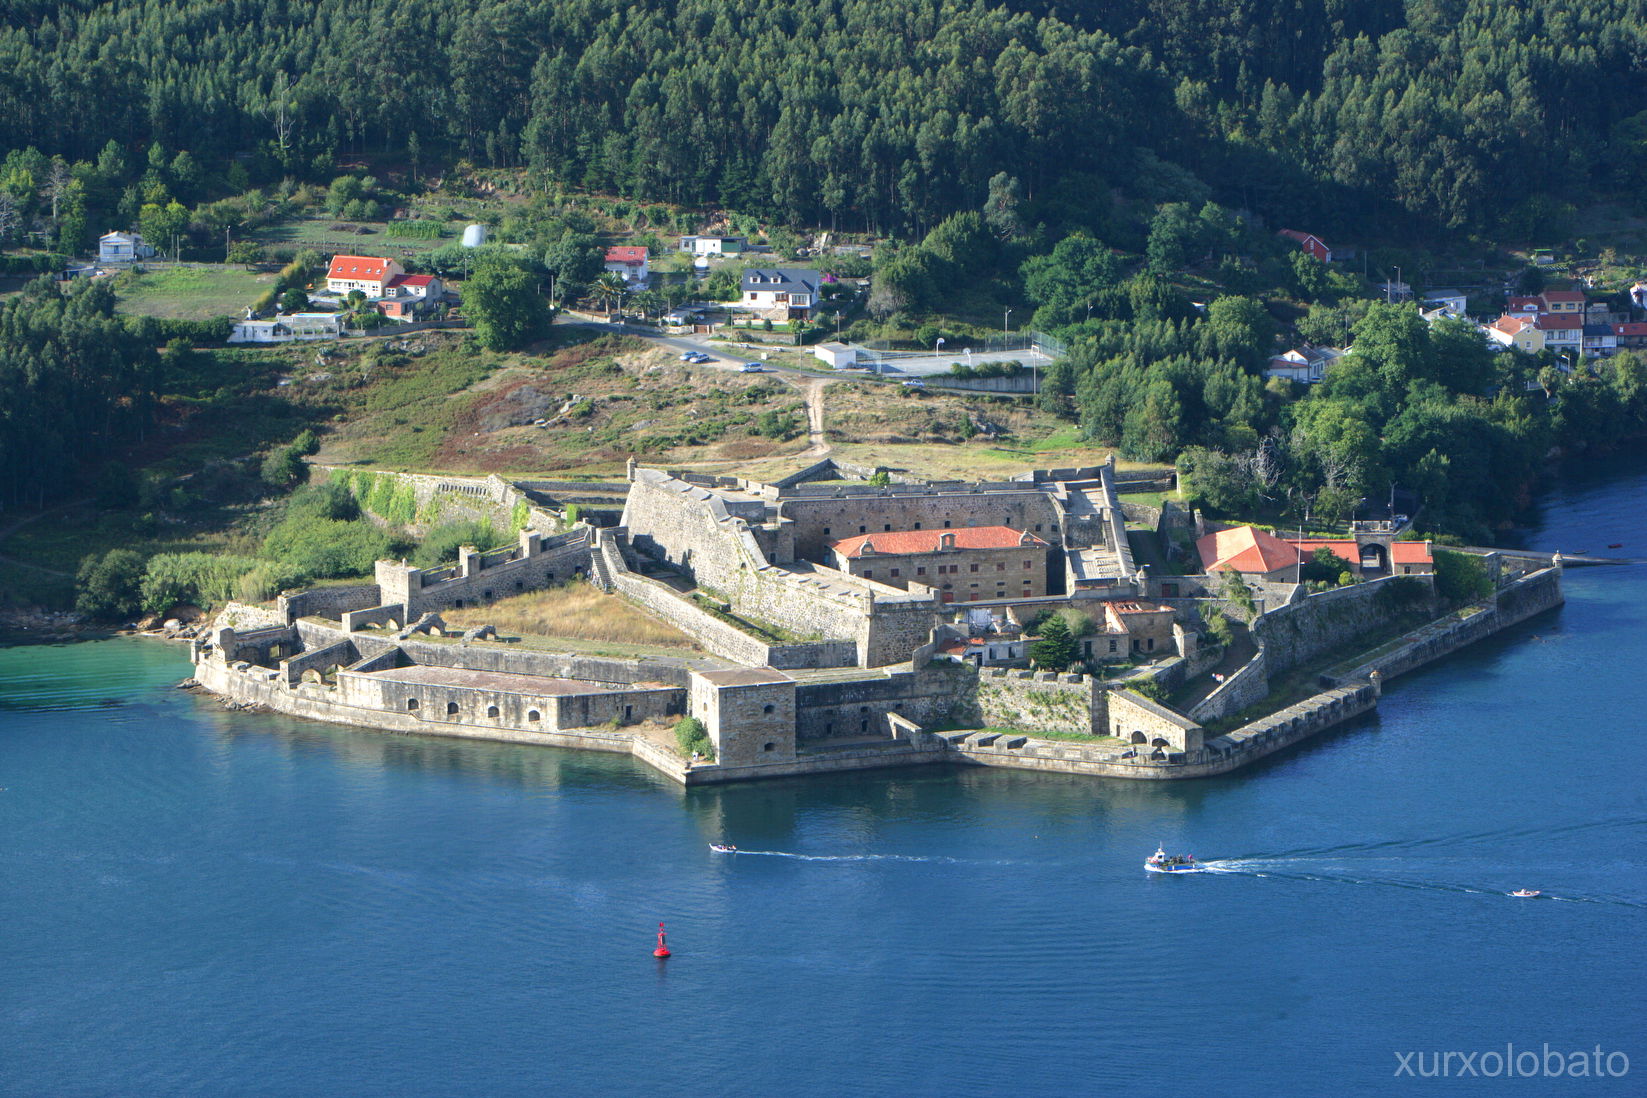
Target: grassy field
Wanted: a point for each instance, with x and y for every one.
(577, 610)
(190, 293)
(332, 236)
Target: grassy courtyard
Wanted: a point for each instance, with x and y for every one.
(576, 610)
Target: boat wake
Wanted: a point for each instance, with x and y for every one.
(1280, 869)
(868, 858)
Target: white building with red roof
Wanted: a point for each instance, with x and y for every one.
(629, 261)
(1519, 332)
(368, 274)
(971, 564)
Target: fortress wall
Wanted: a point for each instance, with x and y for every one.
(1247, 685)
(861, 707)
(1129, 715)
(340, 654)
(492, 576)
(1293, 634)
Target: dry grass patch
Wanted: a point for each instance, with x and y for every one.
(578, 610)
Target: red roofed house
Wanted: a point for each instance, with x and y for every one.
(1633, 334)
(1366, 558)
(1524, 306)
(1562, 331)
(1249, 551)
(1310, 243)
(630, 262)
(1562, 301)
(369, 275)
(406, 295)
(1516, 331)
(965, 565)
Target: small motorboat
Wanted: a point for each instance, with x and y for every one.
(1616, 545)
(1162, 862)
(723, 848)
(1525, 893)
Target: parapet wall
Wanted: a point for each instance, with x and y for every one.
(1044, 701)
(1296, 633)
(834, 512)
(327, 602)
(861, 706)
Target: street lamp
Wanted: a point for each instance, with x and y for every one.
(1005, 317)
(937, 345)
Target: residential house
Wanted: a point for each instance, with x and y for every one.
(714, 245)
(1524, 306)
(1131, 630)
(630, 262)
(1304, 363)
(794, 291)
(1310, 243)
(986, 651)
(1248, 551)
(368, 274)
(1630, 335)
(1521, 333)
(407, 297)
(1600, 339)
(965, 565)
(118, 247)
(1450, 302)
(1562, 301)
(1562, 331)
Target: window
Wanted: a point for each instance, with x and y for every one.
(492, 711)
(411, 705)
(768, 747)
(946, 524)
(917, 526)
(766, 709)
(451, 709)
(826, 531)
(861, 529)
(895, 571)
(532, 715)
(1000, 567)
(974, 568)
(887, 527)
(1037, 528)
(1152, 644)
(920, 571)
(1169, 590)
(1113, 645)
(1028, 564)
(869, 573)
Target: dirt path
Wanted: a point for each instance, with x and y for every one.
(812, 389)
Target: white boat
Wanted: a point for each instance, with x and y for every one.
(723, 848)
(1525, 893)
(1162, 862)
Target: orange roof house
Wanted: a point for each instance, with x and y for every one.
(1245, 549)
(905, 542)
(368, 274)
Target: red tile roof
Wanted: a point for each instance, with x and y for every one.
(1139, 608)
(908, 542)
(1244, 549)
(1510, 325)
(1401, 552)
(1525, 305)
(1301, 237)
(414, 280)
(1559, 321)
(361, 268)
(625, 254)
(1563, 295)
(1635, 328)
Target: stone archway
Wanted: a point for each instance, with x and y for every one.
(1375, 559)
(1139, 738)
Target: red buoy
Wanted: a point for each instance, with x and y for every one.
(662, 950)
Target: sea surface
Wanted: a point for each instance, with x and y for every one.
(200, 902)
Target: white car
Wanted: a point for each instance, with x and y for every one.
(752, 368)
(914, 383)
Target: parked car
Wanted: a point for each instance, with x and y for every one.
(690, 356)
(752, 368)
(914, 383)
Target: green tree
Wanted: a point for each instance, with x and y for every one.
(504, 306)
(1055, 649)
(110, 586)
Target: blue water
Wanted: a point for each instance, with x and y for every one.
(206, 903)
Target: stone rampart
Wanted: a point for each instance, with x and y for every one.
(1248, 685)
(1296, 633)
(392, 616)
(821, 519)
(859, 707)
(535, 563)
(1144, 723)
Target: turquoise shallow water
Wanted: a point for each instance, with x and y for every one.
(201, 902)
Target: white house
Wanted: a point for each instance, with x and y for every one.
(714, 245)
(1451, 302)
(1305, 363)
(370, 275)
(837, 355)
(118, 247)
(286, 329)
(630, 262)
(794, 290)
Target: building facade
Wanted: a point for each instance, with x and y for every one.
(971, 564)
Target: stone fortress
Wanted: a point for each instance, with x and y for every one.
(846, 625)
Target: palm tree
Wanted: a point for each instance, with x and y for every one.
(608, 288)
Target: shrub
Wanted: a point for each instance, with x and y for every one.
(690, 736)
(110, 586)
(442, 543)
(1461, 577)
(204, 579)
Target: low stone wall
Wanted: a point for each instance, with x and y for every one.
(327, 602)
(860, 706)
(341, 654)
(1144, 723)
(392, 616)
(1248, 685)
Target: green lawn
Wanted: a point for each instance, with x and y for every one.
(191, 293)
(334, 236)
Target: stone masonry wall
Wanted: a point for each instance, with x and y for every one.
(902, 510)
(1291, 635)
(328, 602)
(859, 707)
(1026, 701)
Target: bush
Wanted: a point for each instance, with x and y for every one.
(1461, 577)
(690, 736)
(204, 579)
(110, 586)
(442, 543)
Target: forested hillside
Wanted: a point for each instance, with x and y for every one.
(885, 115)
